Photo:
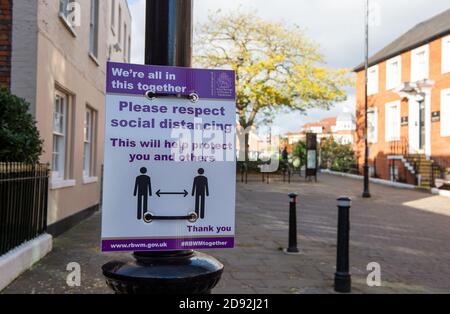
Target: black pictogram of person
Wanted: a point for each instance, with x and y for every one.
(142, 189)
(200, 190)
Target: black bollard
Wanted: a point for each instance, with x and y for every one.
(342, 277)
(292, 248)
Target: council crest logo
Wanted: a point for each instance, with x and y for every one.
(224, 81)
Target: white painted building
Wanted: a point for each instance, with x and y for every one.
(59, 53)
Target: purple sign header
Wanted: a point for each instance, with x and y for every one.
(134, 79)
(123, 245)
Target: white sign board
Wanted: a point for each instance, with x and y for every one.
(169, 169)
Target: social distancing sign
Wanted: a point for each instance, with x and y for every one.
(169, 169)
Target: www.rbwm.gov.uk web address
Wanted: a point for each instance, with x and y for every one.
(163, 245)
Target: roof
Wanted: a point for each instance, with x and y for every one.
(325, 124)
(329, 121)
(294, 133)
(421, 34)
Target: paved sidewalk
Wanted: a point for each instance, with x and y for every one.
(407, 232)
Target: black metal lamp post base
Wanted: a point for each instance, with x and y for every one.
(366, 195)
(179, 272)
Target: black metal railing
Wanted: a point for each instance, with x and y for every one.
(23, 203)
(399, 147)
(441, 169)
(442, 163)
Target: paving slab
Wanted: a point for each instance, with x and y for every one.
(405, 231)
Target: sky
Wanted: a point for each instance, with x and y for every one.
(337, 26)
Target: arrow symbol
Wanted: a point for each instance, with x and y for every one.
(159, 193)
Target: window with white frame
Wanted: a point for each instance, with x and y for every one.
(88, 142)
(372, 125)
(392, 120)
(420, 63)
(316, 129)
(393, 73)
(93, 36)
(445, 112)
(372, 80)
(60, 113)
(446, 54)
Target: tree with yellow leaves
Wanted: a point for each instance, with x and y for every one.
(276, 66)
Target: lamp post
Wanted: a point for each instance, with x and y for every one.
(168, 35)
(366, 192)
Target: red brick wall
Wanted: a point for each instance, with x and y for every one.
(440, 146)
(5, 42)
(382, 167)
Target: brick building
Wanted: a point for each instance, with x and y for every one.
(5, 42)
(341, 129)
(409, 105)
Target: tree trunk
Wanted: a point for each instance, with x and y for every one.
(247, 146)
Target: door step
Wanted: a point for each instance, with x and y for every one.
(424, 170)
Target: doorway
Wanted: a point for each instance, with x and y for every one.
(418, 124)
(421, 105)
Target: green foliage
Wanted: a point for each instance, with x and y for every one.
(19, 137)
(299, 153)
(335, 156)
